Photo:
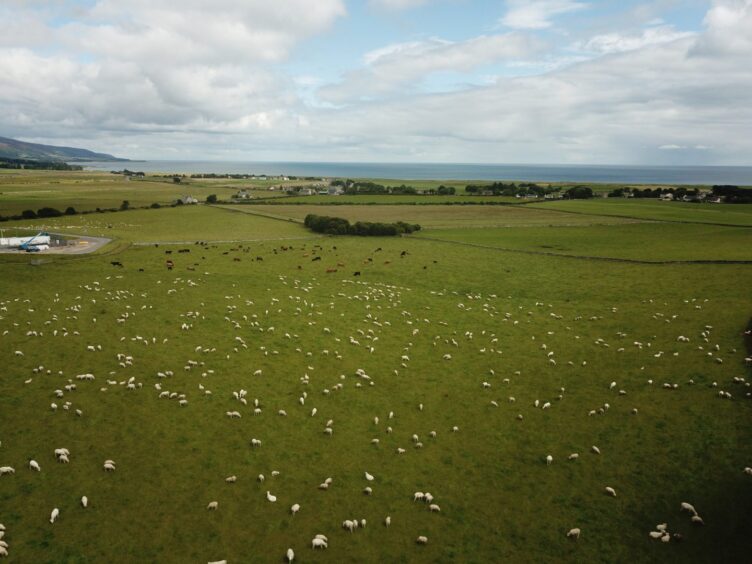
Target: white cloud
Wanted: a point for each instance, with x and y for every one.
(671, 147)
(618, 42)
(397, 5)
(394, 66)
(537, 14)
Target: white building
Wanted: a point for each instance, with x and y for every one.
(18, 241)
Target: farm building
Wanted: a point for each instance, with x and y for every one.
(18, 241)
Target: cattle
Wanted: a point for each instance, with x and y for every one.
(356, 273)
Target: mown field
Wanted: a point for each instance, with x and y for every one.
(456, 329)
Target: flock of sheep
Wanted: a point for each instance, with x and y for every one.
(386, 312)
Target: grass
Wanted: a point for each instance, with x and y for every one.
(178, 224)
(434, 216)
(685, 212)
(640, 241)
(394, 200)
(499, 500)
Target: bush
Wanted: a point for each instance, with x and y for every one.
(49, 212)
(28, 214)
(211, 199)
(70, 210)
(340, 226)
(155, 206)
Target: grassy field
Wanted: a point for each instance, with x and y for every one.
(736, 214)
(395, 200)
(429, 323)
(641, 241)
(435, 216)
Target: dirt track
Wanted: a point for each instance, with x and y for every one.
(79, 245)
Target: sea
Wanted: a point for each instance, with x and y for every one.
(619, 174)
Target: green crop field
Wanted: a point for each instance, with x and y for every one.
(441, 367)
(435, 216)
(738, 214)
(639, 241)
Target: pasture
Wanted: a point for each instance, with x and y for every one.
(443, 335)
(434, 217)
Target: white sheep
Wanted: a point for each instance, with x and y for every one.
(596, 450)
(270, 497)
(388, 521)
(574, 534)
(688, 507)
(549, 459)
(109, 467)
(422, 540)
(319, 543)
(54, 515)
(84, 502)
(610, 491)
(573, 456)
(231, 479)
(434, 508)
(748, 470)
(418, 496)
(212, 505)
(295, 508)
(369, 477)
(290, 555)
(34, 465)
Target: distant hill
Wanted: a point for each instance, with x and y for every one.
(14, 149)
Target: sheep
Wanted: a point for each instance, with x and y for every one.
(54, 515)
(418, 496)
(427, 497)
(400, 450)
(319, 543)
(434, 508)
(362, 523)
(697, 520)
(295, 508)
(549, 460)
(688, 507)
(34, 465)
(212, 505)
(255, 442)
(231, 479)
(368, 490)
(349, 525)
(369, 477)
(109, 467)
(290, 555)
(63, 458)
(610, 491)
(218, 562)
(260, 478)
(270, 497)
(573, 456)
(422, 540)
(595, 449)
(387, 521)
(748, 470)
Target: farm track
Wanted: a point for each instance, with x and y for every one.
(587, 257)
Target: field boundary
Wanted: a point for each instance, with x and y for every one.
(586, 257)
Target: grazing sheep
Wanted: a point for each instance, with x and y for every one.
(748, 470)
(295, 508)
(109, 467)
(610, 491)
(261, 478)
(697, 520)
(688, 507)
(387, 521)
(573, 456)
(54, 515)
(434, 508)
(422, 540)
(319, 543)
(34, 465)
(595, 449)
(549, 459)
(369, 477)
(368, 490)
(270, 497)
(212, 505)
(427, 497)
(574, 533)
(290, 555)
(418, 496)
(84, 502)
(231, 479)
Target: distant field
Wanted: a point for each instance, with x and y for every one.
(436, 216)
(727, 214)
(392, 199)
(644, 241)
(183, 223)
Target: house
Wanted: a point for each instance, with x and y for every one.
(243, 194)
(667, 197)
(189, 200)
(335, 190)
(306, 192)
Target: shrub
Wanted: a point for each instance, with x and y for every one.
(340, 226)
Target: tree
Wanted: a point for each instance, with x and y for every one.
(579, 193)
(155, 206)
(176, 179)
(211, 199)
(49, 212)
(70, 210)
(28, 214)
(125, 205)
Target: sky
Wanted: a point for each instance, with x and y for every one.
(465, 81)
